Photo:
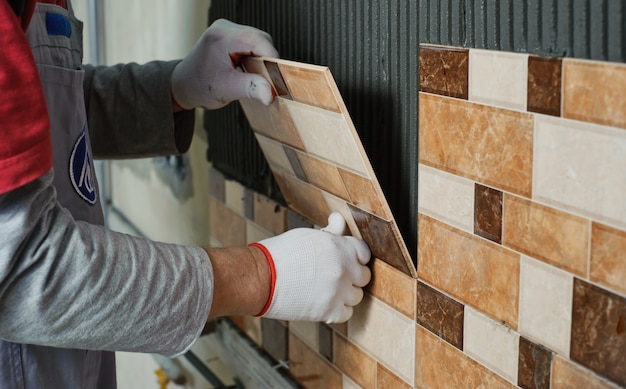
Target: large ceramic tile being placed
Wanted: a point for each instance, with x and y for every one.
(317, 157)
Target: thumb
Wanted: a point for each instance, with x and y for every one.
(240, 85)
(336, 224)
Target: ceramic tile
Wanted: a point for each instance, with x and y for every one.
(274, 339)
(440, 314)
(470, 269)
(310, 85)
(353, 362)
(386, 334)
(594, 92)
(248, 203)
(568, 158)
(325, 341)
(228, 227)
(534, 365)
(341, 328)
(309, 369)
(566, 375)
(349, 384)
(365, 194)
(545, 304)
(296, 221)
(275, 154)
(444, 71)
(253, 329)
(440, 365)
(498, 78)
(217, 185)
(382, 237)
(447, 197)
(327, 135)
(278, 82)
(335, 204)
(490, 145)
(296, 166)
(598, 327)
(269, 214)
(491, 343)
(392, 287)
(555, 237)
(488, 213)
(307, 332)
(323, 175)
(303, 198)
(235, 196)
(272, 121)
(544, 85)
(256, 233)
(385, 379)
(607, 264)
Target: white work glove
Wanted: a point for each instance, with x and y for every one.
(208, 76)
(319, 275)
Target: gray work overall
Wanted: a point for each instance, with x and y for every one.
(55, 37)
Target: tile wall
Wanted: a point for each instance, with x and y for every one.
(522, 238)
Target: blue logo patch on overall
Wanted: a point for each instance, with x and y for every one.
(81, 170)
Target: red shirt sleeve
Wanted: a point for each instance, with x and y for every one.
(25, 146)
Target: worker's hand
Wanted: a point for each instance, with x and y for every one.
(208, 77)
(318, 274)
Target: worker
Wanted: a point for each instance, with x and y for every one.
(72, 291)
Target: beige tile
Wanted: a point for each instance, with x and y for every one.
(309, 369)
(393, 287)
(547, 234)
(228, 227)
(327, 135)
(608, 264)
(491, 343)
(349, 384)
(387, 380)
(473, 270)
(579, 167)
(336, 204)
(447, 197)
(256, 233)
(303, 198)
(594, 92)
(498, 78)
(272, 121)
(253, 329)
(275, 154)
(365, 194)
(310, 85)
(353, 362)
(545, 304)
(491, 145)
(440, 365)
(566, 375)
(324, 175)
(386, 334)
(307, 331)
(235, 196)
(269, 214)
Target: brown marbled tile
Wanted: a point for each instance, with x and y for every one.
(269, 214)
(598, 339)
(325, 341)
(487, 144)
(309, 369)
(470, 269)
(488, 213)
(274, 339)
(608, 261)
(310, 85)
(277, 79)
(555, 237)
(385, 379)
(383, 237)
(392, 287)
(594, 92)
(226, 225)
(440, 365)
(303, 198)
(544, 85)
(324, 175)
(292, 156)
(217, 185)
(534, 365)
(567, 375)
(273, 121)
(353, 362)
(444, 71)
(440, 314)
(363, 194)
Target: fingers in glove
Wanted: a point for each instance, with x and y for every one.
(353, 296)
(237, 85)
(340, 315)
(363, 252)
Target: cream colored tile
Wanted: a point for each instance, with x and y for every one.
(255, 232)
(307, 331)
(447, 197)
(336, 204)
(498, 78)
(386, 334)
(269, 215)
(275, 154)
(327, 135)
(545, 304)
(491, 343)
(235, 196)
(580, 167)
(349, 384)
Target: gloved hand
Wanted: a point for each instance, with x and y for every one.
(316, 275)
(208, 77)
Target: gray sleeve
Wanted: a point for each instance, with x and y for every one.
(71, 284)
(129, 111)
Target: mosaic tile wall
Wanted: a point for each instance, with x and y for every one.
(522, 238)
